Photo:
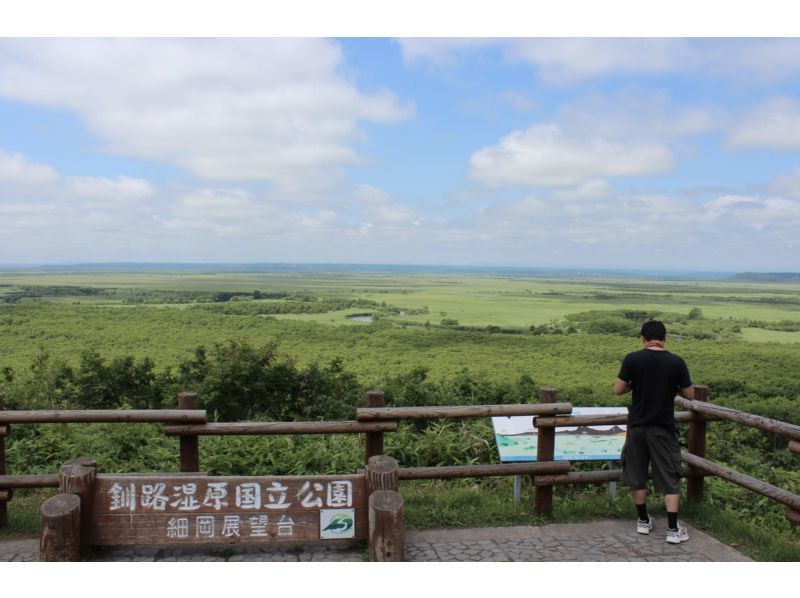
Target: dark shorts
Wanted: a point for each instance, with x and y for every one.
(654, 446)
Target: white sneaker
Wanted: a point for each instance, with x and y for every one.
(676, 537)
(644, 527)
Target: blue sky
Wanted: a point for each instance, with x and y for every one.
(654, 153)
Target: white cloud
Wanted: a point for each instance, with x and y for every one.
(775, 213)
(17, 171)
(787, 184)
(119, 190)
(42, 210)
(587, 191)
(725, 202)
(636, 114)
(22, 179)
(370, 195)
(439, 52)
(774, 124)
(271, 109)
(391, 215)
(567, 61)
(544, 155)
(573, 59)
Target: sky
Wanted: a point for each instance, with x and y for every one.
(662, 153)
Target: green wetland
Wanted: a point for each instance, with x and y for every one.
(308, 345)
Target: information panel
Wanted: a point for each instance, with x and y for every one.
(516, 438)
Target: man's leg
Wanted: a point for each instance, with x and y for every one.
(644, 524)
(672, 502)
(666, 460)
(635, 460)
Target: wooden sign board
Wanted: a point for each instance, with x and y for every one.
(164, 509)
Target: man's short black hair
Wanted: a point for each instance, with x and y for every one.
(654, 331)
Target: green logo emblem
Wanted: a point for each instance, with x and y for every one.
(339, 524)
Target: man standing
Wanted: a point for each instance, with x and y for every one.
(655, 375)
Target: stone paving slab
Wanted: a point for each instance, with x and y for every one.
(610, 540)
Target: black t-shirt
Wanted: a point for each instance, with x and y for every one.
(655, 377)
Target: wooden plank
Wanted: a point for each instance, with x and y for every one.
(563, 421)
(477, 471)
(684, 417)
(579, 477)
(28, 481)
(186, 509)
(758, 486)
(756, 421)
(397, 413)
(79, 416)
(276, 428)
(584, 477)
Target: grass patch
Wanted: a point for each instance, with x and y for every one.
(779, 544)
(432, 504)
(23, 513)
(759, 335)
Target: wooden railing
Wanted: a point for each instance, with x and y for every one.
(189, 423)
(699, 411)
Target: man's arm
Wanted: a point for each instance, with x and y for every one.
(621, 387)
(687, 393)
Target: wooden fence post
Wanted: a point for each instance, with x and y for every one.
(3, 502)
(374, 440)
(387, 533)
(696, 443)
(60, 529)
(190, 444)
(383, 473)
(78, 477)
(545, 451)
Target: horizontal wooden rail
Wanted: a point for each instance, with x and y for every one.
(8, 482)
(268, 428)
(477, 471)
(579, 477)
(586, 477)
(762, 423)
(110, 416)
(794, 446)
(758, 486)
(563, 421)
(396, 413)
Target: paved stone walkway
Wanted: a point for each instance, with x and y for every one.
(612, 540)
